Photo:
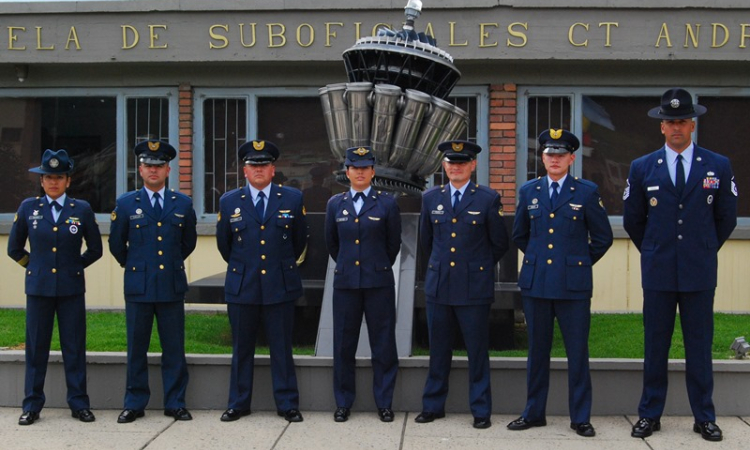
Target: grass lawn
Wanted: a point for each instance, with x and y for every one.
(612, 335)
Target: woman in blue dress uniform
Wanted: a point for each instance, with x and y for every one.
(363, 236)
(56, 227)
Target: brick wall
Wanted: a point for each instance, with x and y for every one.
(186, 138)
(503, 143)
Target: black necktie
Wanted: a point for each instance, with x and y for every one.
(157, 205)
(555, 194)
(57, 206)
(456, 199)
(260, 207)
(359, 195)
(679, 179)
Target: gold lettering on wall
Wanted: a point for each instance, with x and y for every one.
(608, 25)
(714, 35)
(743, 34)
(39, 45)
(483, 34)
(129, 30)
(242, 35)
(13, 37)
(224, 42)
(332, 34)
(692, 35)
(357, 30)
(380, 25)
(273, 35)
(517, 34)
(310, 35)
(453, 42)
(155, 36)
(663, 34)
(429, 31)
(72, 37)
(585, 26)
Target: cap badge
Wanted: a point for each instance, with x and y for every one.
(674, 103)
(154, 146)
(555, 134)
(259, 145)
(361, 151)
(54, 163)
(457, 146)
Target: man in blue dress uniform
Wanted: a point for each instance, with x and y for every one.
(152, 233)
(363, 236)
(562, 229)
(261, 233)
(56, 227)
(680, 208)
(462, 230)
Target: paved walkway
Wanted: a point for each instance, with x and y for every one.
(264, 430)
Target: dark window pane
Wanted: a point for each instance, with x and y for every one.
(721, 130)
(543, 113)
(225, 129)
(84, 126)
(616, 130)
(148, 118)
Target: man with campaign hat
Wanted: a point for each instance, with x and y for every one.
(562, 229)
(363, 236)
(261, 233)
(153, 231)
(462, 231)
(55, 226)
(680, 208)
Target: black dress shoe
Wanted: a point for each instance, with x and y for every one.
(178, 414)
(231, 414)
(482, 422)
(84, 415)
(645, 427)
(291, 415)
(28, 418)
(341, 414)
(427, 417)
(584, 429)
(523, 424)
(385, 414)
(709, 431)
(129, 415)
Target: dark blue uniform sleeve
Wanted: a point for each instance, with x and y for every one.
(521, 224)
(331, 231)
(17, 239)
(393, 244)
(93, 238)
(118, 236)
(635, 208)
(425, 228)
(496, 228)
(725, 210)
(597, 222)
(300, 232)
(223, 233)
(190, 233)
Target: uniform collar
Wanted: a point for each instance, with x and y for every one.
(687, 154)
(61, 199)
(151, 193)
(254, 192)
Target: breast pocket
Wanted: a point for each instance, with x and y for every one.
(135, 278)
(178, 224)
(439, 224)
(238, 230)
(574, 221)
(138, 230)
(534, 216)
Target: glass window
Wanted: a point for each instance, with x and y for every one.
(543, 113)
(148, 118)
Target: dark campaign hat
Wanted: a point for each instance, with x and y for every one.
(54, 162)
(359, 157)
(459, 151)
(154, 152)
(558, 141)
(677, 103)
(258, 152)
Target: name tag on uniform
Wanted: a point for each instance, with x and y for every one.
(435, 211)
(373, 218)
(474, 213)
(342, 219)
(532, 206)
(235, 219)
(137, 216)
(652, 188)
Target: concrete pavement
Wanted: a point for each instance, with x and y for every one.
(265, 430)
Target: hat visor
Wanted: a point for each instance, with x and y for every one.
(657, 113)
(46, 171)
(258, 162)
(151, 161)
(360, 163)
(557, 150)
(458, 158)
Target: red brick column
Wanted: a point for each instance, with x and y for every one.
(503, 143)
(185, 128)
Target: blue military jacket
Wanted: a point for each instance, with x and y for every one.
(463, 245)
(54, 264)
(679, 236)
(560, 244)
(153, 249)
(262, 254)
(364, 246)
